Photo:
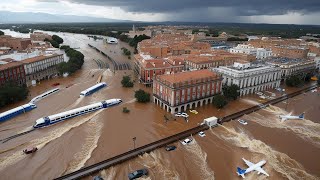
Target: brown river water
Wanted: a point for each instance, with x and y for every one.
(291, 148)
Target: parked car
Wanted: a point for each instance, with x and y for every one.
(97, 178)
(202, 134)
(241, 121)
(180, 114)
(56, 84)
(170, 148)
(30, 150)
(138, 173)
(186, 141)
(194, 111)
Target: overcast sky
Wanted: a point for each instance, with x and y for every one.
(250, 11)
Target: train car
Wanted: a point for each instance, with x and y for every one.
(53, 119)
(43, 95)
(92, 89)
(16, 111)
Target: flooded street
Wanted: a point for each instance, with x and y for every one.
(291, 148)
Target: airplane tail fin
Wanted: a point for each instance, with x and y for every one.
(301, 116)
(240, 172)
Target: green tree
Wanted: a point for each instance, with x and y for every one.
(142, 96)
(125, 110)
(126, 81)
(219, 101)
(294, 81)
(308, 77)
(54, 43)
(231, 92)
(10, 92)
(57, 39)
(1, 33)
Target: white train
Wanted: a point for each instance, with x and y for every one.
(43, 95)
(53, 119)
(16, 111)
(92, 89)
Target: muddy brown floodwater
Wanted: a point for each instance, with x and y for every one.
(291, 148)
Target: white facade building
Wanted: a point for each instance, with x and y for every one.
(250, 78)
(41, 67)
(291, 67)
(260, 53)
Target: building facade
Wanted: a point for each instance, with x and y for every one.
(260, 53)
(14, 43)
(12, 71)
(146, 68)
(250, 78)
(186, 90)
(41, 67)
(290, 67)
(40, 36)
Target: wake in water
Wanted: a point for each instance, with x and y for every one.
(109, 174)
(158, 165)
(199, 158)
(280, 162)
(306, 129)
(89, 145)
(41, 142)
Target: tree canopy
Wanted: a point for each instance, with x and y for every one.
(76, 60)
(142, 96)
(231, 92)
(126, 81)
(219, 101)
(294, 81)
(57, 39)
(11, 92)
(1, 33)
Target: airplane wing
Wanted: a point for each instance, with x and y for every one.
(248, 163)
(289, 114)
(260, 170)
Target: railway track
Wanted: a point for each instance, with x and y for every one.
(15, 136)
(171, 139)
(116, 65)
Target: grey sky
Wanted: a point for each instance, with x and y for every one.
(257, 11)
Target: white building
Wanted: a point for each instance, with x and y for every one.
(260, 53)
(19, 56)
(41, 67)
(291, 67)
(250, 78)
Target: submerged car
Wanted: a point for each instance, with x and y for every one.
(202, 134)
(30, 150)
(181, 114)
(241, 121)
(186, 141)
(194, 111)
(170, 148)
(138, 173)
(97, 178)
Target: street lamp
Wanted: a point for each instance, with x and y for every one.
(134, 142)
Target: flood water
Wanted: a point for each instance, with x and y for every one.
(291, 148)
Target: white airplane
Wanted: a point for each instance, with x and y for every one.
(252, 167)
(288, 116)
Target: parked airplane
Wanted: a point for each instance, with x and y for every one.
(288, 116)
(256, 167)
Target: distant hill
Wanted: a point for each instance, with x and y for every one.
(28, 17)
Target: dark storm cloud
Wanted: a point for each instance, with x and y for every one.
(239, 7)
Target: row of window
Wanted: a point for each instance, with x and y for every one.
(78, 113)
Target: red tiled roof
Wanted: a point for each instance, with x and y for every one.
(189, 75)
(10, 65)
